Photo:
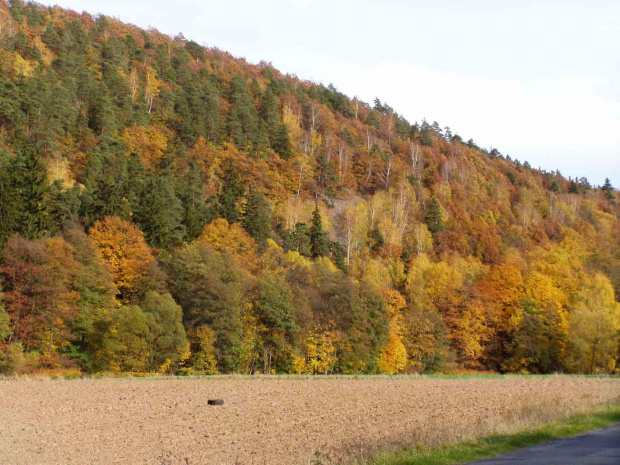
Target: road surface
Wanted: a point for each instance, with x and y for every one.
(600, 447)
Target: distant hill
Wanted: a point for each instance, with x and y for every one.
(168, 207)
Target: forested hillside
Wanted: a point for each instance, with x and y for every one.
(166, 207)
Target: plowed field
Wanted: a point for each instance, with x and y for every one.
(267, 420)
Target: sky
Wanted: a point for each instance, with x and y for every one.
(538, 80)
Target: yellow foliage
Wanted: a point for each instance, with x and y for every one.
(325, 262)
(594, 323)
(272, 259)
(230, 239)
(374, 272)
(13, 64)
(393, 359)
(294, 257)
(541, 289)
(150, 143)
(204, 358)
(321, 351)
(291, 121)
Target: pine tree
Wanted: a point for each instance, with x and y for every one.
(298, 240)
(434, 216)
(9, 202)
(242, 120)
(159, 212)
(319, 246)
(51, 39)
(29, 180)
(269, 110)
(373, 120)
(336, 255)
(17, 10)
(196, 209)
(231, 191)
(281, 143)
(609, 191)
(256, 217)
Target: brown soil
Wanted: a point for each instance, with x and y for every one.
(267, 420)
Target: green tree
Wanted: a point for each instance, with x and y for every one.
(51, 39)
(96, 303)
(167, 340)
(242, 119)
(373, 120)
(434, 216)
(298, 239)
(281, 142)
(10, 210)
(319, 246)
(30, 183)
(197, 210)
(17, 10)
(159, 212)
(5, 323)
(210, 288)
(126, 344)
(231, 191)
(256, 217)
(276, 321)
(609, 191)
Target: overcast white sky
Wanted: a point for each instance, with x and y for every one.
(539, 80)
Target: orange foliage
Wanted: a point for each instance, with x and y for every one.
(126, 255)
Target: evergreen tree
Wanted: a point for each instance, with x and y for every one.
(373, 120)
(107, 186)
(10, 211)
(426, 137)
(51, 39)
(196, 209)
(269, 110)
(434, 216)
(242, 120)
(325, 177)
(298, 240)
(336, 255)
(64, 206)
(17, 10)
(281, 142)
(231, 191)
(100, 112)
(256, 217)
(31, 186)
(609, 191)
(375, 239)
(319, 246)
(159, 212)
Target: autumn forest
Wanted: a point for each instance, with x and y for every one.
(168, 208)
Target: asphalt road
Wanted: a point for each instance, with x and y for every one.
(600, 447)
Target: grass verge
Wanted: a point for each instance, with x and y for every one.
(491, 446)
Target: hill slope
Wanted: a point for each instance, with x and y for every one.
(168, 207)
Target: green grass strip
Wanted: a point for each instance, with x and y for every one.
(491, 446)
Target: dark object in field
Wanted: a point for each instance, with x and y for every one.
(215, 402)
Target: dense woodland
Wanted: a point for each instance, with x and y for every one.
(166, 207)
